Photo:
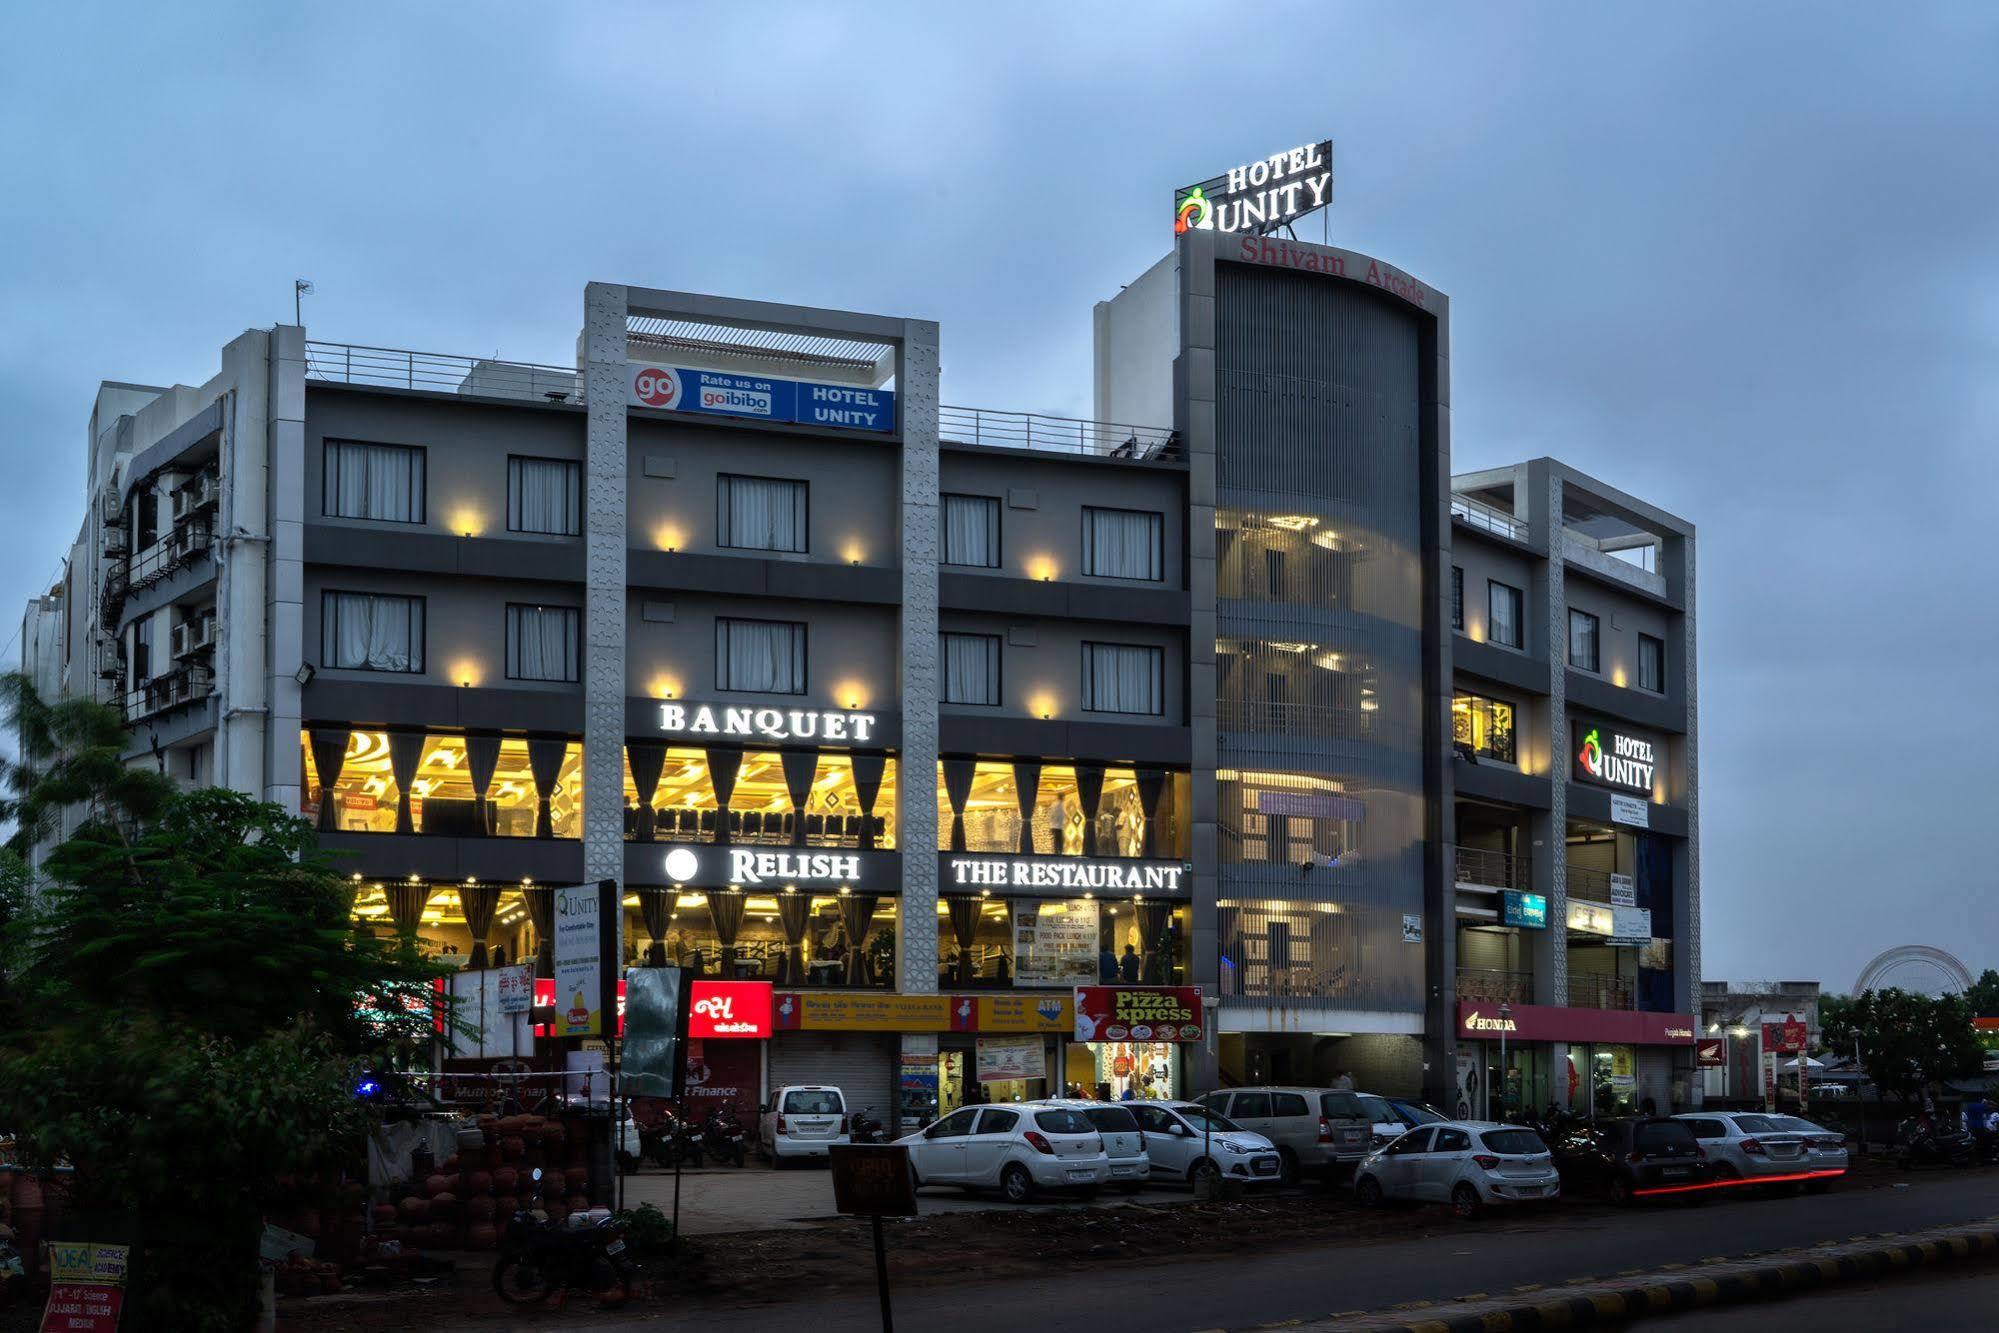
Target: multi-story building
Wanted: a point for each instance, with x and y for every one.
(928, 715)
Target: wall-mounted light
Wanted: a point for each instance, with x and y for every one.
(1042, 706)
(668, 537)
(467, 522)
(466, 673)
(851, 694)
(852, 553)
(1042, 567)
(665, 687)
(304, 674)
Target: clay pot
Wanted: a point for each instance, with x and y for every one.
(452, 1163)
(557, 1212)
(436, 1184)
(443, 1206)
(415, 1209)
(506, 1206)
(480, 1208)
(479, 1182)
(577, 1176)
(511, 1148)
(503, 1180)
(307, 1223)
(481, 1236)
(578, 1203)
(578, 1130)
(385, 1215)
(553, 1186)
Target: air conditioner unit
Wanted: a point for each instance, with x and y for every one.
(204, 632)
(183, 503)
(181, 637)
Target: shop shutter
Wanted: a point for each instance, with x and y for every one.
(1655, 1078)
(859, 1064)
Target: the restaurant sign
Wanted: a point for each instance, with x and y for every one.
(728, 1009)
(768, 724)
(758, 397)
(1138, 1013)
(1615, 759)
(758, 865)
(1260, 196)
(1072, 874)
(1480, 1021)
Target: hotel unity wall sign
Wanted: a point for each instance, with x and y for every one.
(1261, 196)
(1614, 759)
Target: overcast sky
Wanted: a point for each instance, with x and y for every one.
(1744, 265)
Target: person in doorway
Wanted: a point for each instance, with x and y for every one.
(1344, 1083)
(1128, 966)
(1107, 966)
(1103, 1092)
(1648, 1107)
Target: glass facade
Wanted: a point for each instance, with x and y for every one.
(1483, 726)
(498, 786)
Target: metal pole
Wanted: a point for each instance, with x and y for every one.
(881, 1274)
(677, 1155)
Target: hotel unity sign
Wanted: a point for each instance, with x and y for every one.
(1261, 196)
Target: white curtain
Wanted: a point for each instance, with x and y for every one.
(763, 513)
(373, 633)
(761, 656)
(1505, 607)
(971, 531)
(1582, 640)
(1122, 544)
(971, 669)
(379, 481)
(1122, 678)
(543, 495)
(541, 642)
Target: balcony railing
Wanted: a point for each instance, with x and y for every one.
(183, 685)
(1067, 435)
(1486, 518)
(1590, 885)
(1494, 870)
(1597, 990)
(435, 372)
(1486, 985)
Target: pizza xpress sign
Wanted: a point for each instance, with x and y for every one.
(1615, 759)
(1138, 1013)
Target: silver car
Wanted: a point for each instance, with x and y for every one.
(1124, 1141)
(1747, 1145)
(1469, 1164)
(1827, 1150)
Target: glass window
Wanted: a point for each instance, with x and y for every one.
(1153, 1119)
(972, 531)
(803, 1102)
(1452, 1140)
(1513, 1142)
(1651, 664)
(1124, 544)
(1201, 1118)
(1340, 1105)
(1287, 1103)
(1504, 623)
(443, 800)
(1415, 1141)
(999, 1122)
(793, 940)
(972, 669)
(1251, 1106)
(378, 481)
(1457, 598)
(1062, 1121)
(541, 643)
(142, 649)
(1378, 1110)
(1485, 725)
(760, 513)
(1584, 653)
(364, 631)
(545, 495)
(1124, 678)
(760, 656)
(1111, 1119)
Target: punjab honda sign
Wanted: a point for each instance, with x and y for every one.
(1480, 1020)
(1138, 1013)
(729, 1009)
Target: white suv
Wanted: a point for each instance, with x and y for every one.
(1020, 1149)
(802, 1121)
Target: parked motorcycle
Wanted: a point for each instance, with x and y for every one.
(678, 1141)
(1921, 1143)
(864, 1128)
(539, 1259)
(723, 1139)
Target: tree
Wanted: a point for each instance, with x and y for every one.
(1906, 1041)
(1983, 997)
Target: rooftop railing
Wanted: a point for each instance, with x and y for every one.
(1487, 518)
(1494, 870)
(435, 372)
(1067, 435)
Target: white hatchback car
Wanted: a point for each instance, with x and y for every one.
(802, 1121)
(1468, 1164)
(1019, 1148)
(1185, 1141)
(1124, 1141)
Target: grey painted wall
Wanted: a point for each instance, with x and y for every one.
(465, 625)
(850, 650)
(1041, 666)
(1042, 503)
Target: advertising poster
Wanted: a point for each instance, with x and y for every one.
(809, 1012)
(1055, 944)
(579, 998)
(723, 1074)
(1138, 1013)
(1001, 1059)
(516, 988)
(86, 1287)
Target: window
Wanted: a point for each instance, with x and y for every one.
(1124, 544)
(1513, 1142)
(142, 650)
(1503, 624)
(545, 495)
(1583, 637)
(1453, 1140)
(1340, 1105)
(362, 631)
(814, 1101)
(760, 513)
(1111, 1119)
(1153, 1120)
(972, 531)
(760, 656)
(378, 481)
(1651, 664)
(1457, 598)
(953, 1126)
(1287, 1103)
(541, 643)
(1062, 1122)
(1123, 678)
(999, 1122)
(1485, 725)
(1251, 1106)
(972, 669)
(1415, 1141)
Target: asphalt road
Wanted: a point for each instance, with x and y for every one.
(1486, 1256)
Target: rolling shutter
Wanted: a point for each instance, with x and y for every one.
(859, 1064)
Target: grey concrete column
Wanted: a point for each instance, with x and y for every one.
(284, 522)
(1687, 864)
(916, 767)
(1196, 376)
(604, 340)
(1549, 602)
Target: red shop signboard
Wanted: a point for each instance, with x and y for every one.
(1480, 1020)
(725, 1009)
(1139, 1013)
(1785, 1038)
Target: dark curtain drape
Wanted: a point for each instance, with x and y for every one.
(723, 765)
(479, 901)
(794, 913)
(405, 753)
(799, 768)
(646, 760)
(406, 904)
(965, 930)
(1152, 919)
(1026, 790)
(1151, 786)
(1090, 790)
(868, 786)
(540, 901)
(656, 908)
(857, 914)
(329, 755)
(958, 787)
(727, 911)
(545, 767)
(482, 756)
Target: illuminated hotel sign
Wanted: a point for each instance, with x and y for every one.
(1072, 873)
(759, 865)
(1615, 759)
(717, 393)
(771, 724)
(1261, 196)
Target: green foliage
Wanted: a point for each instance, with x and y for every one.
(1906, 1041)
(647, 1229)
(72, 753)
(1983, 997)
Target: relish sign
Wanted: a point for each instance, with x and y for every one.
(1138, 1013)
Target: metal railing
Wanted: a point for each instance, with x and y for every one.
(1598, 990)
(1495, 870)
(1589, 885)
(1487, 985)
(1067, 435)
(436, 372)
(1486, 518)
(183, 685)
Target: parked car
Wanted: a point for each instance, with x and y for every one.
(1742, 1145)
(1625, 1157)
(1187, 1141)
(803, 1120)
(1469, 1164)
(1020, 1149)
(1316, 1130)
(1828, 1148)
(1124, 1141)
(1406, 1116)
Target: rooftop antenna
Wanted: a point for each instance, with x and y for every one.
(301, 287)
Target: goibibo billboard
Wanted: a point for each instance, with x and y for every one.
(719, 393)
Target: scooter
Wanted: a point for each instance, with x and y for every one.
(1929, 1145)
(539, 1259)
(722, 1138)
(864, 1128)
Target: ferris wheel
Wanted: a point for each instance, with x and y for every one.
(1915, 967)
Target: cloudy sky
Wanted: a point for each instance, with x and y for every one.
(1745, 265)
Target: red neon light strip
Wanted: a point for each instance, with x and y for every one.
(1740, 1180)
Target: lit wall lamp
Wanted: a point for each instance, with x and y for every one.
(466, 673)
(1042, 706)
(665, 687)
(667, 536)
(467, 522)
(1042, 567)
(852, 553)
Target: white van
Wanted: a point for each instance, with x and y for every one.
(801, 1121)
